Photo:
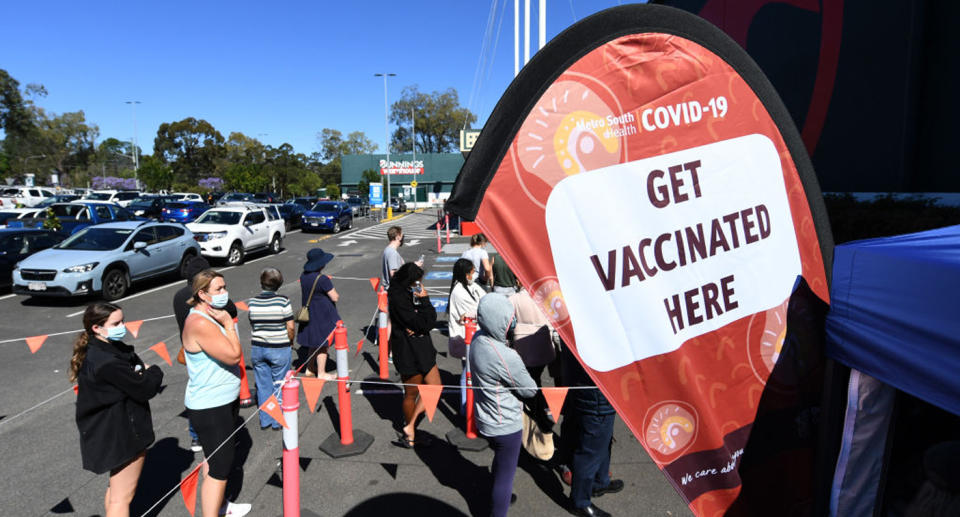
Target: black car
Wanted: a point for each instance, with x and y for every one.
(265, 197)
(305, 202)
(292, 214)
(359, 205)
(17, 244)
(147, 206)
(398, 204)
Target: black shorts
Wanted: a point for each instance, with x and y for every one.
(213, 426)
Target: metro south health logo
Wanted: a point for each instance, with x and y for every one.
(710, 241)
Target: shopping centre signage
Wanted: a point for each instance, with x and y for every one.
(405, 167)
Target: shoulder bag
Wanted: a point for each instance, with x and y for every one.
(303, 315)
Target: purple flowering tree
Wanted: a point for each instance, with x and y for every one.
(211, 183)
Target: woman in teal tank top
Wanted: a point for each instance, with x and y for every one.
(213, 387)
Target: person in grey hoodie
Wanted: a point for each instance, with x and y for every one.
(503, 380)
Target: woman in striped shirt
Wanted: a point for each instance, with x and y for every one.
(271, 318)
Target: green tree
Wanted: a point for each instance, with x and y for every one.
(64, 142)
(305, 185)
(369, 176)
(438, 119)
(333, 147)
(155, 174)
(333, 191)
(191, 146)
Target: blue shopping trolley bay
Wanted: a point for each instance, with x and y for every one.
(439, 275)
(439, 304)
(447, 259)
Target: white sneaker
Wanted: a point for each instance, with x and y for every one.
(235, 509)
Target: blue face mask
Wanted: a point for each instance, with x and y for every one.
(117, 333)
(513, 324)
(219, 301)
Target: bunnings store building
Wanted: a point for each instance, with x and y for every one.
(434, 174)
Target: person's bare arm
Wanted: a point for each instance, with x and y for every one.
(485, 263)
(334, 295)
(202, 334)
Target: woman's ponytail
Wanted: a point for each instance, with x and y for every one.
(79, 354)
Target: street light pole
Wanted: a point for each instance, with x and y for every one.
(413, 131)
(136, 159)
(386, 132)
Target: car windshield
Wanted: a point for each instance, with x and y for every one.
(101, 196)
(178, 206)
(324, 207)
(8, 216)
(219, 217)
(354, 201)
(236, 197)
(97, 239)
(144, 201)
(68, 211)
(9, 192)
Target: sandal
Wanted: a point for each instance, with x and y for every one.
(403, 441)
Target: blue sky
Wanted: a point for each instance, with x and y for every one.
(287, 70)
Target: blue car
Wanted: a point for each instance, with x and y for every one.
(327, 215)
(183, 211)
(105, 258)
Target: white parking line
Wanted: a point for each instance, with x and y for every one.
(267, 256)
(7, 296)
(132, 296)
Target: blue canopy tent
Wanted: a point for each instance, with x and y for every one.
(894, 321)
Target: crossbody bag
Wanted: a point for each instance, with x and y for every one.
(303, 315)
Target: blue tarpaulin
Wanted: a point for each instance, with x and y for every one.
(895, 312)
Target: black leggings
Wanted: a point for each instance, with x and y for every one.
(213, 426)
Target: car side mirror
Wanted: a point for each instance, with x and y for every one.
(139, 245)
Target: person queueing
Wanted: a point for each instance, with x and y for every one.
(504, 281)
(532, 340)
(465, 294)
(483, 269)
(181, 308)
(113, 409)
(502, 380)
(320, 297)
(212, 352)
(271, 321)
(590, 465)
(413, 317)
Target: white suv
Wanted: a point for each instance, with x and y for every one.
(10, 197)
(120, 197)
(231, 232)
(185, 196)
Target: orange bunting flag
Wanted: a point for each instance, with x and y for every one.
(430, 395)
(242, 306)
(375, 284)
(188, 489)
(359, 347)
(161, 350)
(555, 398)
(35, 343)
(134, 327)
(76, 389)
(272, 408)
(312, 388)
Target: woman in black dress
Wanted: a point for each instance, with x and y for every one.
(113, 415)
(323, 311)
(413, 317)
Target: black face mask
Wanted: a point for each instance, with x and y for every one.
(401, 241)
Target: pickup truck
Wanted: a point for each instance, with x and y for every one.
(77, 215)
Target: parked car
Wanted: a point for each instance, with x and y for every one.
(15, 214)
(292, 214)
(328, 215)
(106, 258)
(76, 215)
(398, 204)
(235, 197)
(17, 244)
(147, 206)
(305, 202)
(24, 197)
(265, 197)
(230, 232)
(359, 205)
(183, 211)
(58, 198)
(184, 196)
(120, 197)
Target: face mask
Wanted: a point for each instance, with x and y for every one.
(513, 324)
(219, 301)
(401, 241)
(117, 333)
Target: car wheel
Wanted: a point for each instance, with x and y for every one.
(336, 227)
(235, 255)
(182, 270)
(350, 223)
(115, 284)
(275, 245)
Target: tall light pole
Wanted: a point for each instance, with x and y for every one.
(413, 131)
(273, 184)
(386, 132)
(136, 159)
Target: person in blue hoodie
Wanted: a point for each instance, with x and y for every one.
(503, 380)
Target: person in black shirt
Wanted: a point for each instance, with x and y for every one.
(181, 309)
(113, 412)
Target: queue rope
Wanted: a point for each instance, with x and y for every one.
(5, 341)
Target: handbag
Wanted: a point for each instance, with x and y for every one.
(303, 315)
(537, 443)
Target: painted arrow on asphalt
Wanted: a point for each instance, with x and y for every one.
(347, 243)
(413, 242)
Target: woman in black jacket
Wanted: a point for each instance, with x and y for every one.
(412, 317)
(113, 414)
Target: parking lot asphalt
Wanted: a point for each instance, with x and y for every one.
(41, 468)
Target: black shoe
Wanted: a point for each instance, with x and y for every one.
(590, 511)
(615, 486)
(513, 499)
